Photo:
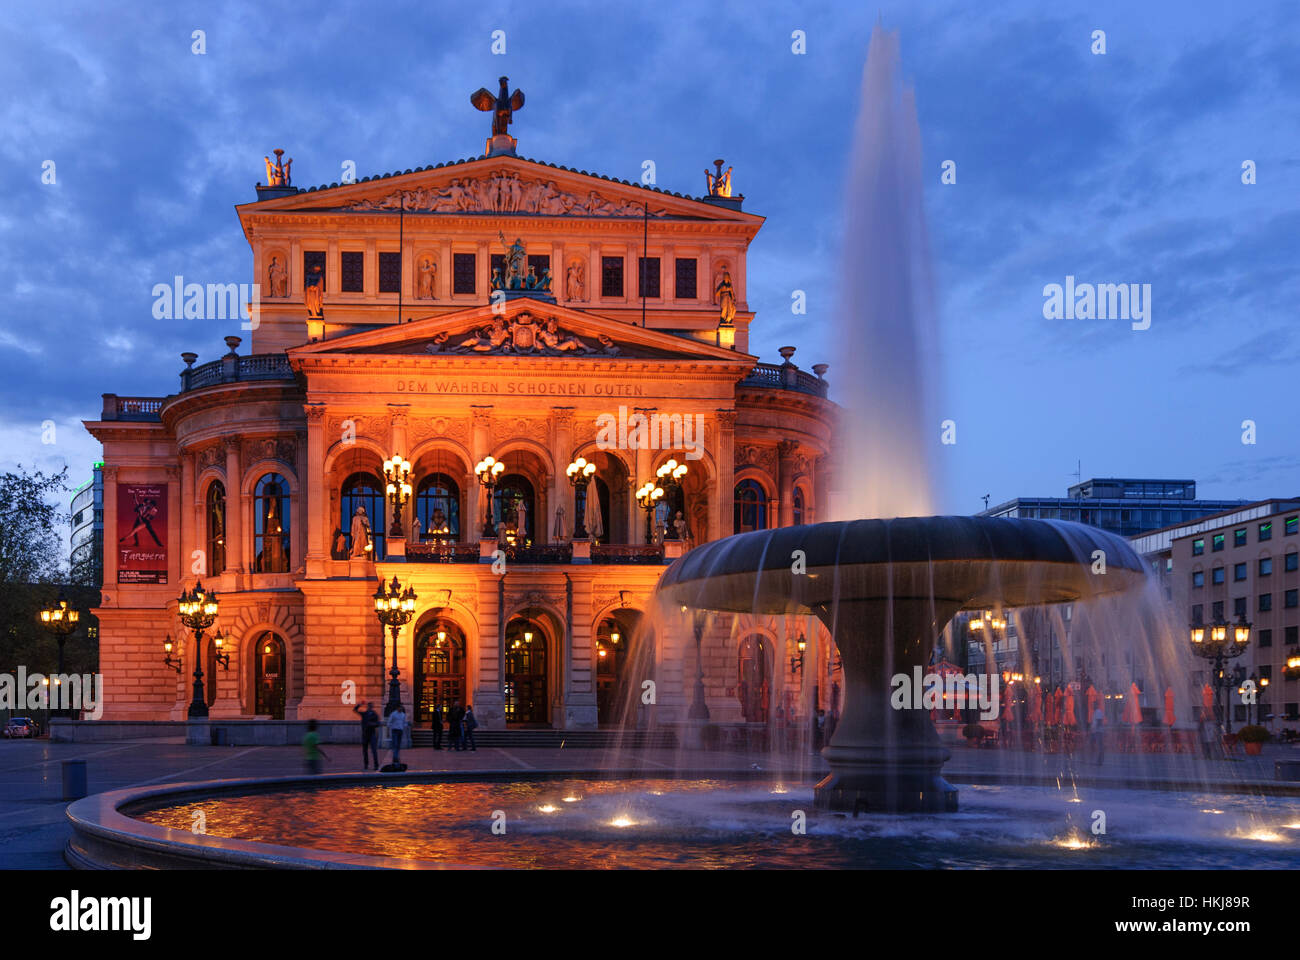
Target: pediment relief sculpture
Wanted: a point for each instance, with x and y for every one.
(524, 334)
(504, 193)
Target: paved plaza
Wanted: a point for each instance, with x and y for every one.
(33, 828)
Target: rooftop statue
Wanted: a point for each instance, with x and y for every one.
(719, 183)
(503, 105)
(277, 173)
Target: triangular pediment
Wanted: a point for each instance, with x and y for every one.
(524, 329)
(501, 185)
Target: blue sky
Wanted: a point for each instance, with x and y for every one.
(1117, 168)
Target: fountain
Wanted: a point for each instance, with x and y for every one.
(885, 589)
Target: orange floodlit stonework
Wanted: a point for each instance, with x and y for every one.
(490, 307)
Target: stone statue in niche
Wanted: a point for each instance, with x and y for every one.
(314, 295)
(680, 529)
(575, 284)
(362, 546)
(726, 300)
(559, 533)
(427, 280)
(278, 278)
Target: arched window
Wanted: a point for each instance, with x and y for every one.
(751, 507)
(363, 490)
(799, 516)
(215, 526)
(439, 668)
(752, 687)
(437, 507)
(515, 501)
(271, 525)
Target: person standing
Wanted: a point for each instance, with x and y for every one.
(470, 724)
(437, 727)
(397, 730)
(454, 718)
(369, 734)
(311, 751)
(1099, 733)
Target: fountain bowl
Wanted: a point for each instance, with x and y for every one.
(885, 589)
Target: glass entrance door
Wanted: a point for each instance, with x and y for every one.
(269, 676)
(525, 678)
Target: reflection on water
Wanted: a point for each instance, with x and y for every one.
(711, 824)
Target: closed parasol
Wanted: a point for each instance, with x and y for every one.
(1169, 706)
(1133, 705)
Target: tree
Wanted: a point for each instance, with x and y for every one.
(31, 553)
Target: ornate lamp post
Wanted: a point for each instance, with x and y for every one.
(988, 624)
(670, 476)
(1219, 642)
(699, 709)
(579, 473)
(394, 607)
(488, 470)
(198, 609)
(648, 496)
(60, 620)
(397, 476)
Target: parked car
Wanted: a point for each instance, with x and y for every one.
(20, 727)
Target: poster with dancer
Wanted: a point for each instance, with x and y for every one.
(141, 533)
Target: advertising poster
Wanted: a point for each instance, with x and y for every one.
(142, 533)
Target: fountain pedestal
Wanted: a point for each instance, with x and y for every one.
(883, 758)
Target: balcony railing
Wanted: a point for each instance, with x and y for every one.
(143, 409)
(433, 551)
(235, 369)
(779, 376)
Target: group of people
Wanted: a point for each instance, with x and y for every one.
(461, 725)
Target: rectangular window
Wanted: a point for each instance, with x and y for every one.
(1292, 562)
(1266, 531)
(463, 273)
(1198, 613)
(1239, 538)
(1217, 543)
(1238, 571)
(1198, 547)
(390, 272)
(611, 277)
(1198, 578)
(1266, 672)
(1292, 636)
(1291, 709)
(686, 267)
(647, 277)
(1216, 575)
(1216, 610)
(1291, 525)
(313, 265)
(352, 271)
(1265, 566)
(497, 266)
(1265, 602)
(1266, 638)
(1238, 606)
(1290, 599)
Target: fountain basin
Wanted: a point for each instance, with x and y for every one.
(885, 589)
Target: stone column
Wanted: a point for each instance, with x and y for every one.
(178, 567)
(301, 510)
(785, 451)
(445, 264)
(312, 481)
(641, 473)
(593, 274)
(483, 267)
(821, 484)
(561, 455)
(397, 444)
(187, 508)
(110, 526)
(234, 511)
(725, 491)
(480, 446)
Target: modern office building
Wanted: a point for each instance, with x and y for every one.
(1241, 564)
(1127, 507)
(87, 542)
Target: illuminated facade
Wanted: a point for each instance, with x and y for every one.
(616, 302)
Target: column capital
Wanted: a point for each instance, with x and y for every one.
(315, 413)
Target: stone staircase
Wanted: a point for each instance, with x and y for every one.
(556, 739)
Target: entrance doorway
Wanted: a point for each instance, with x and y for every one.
(752, 679)
(614, 636)
(268, 676)
(525, 675)
(439, 668)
